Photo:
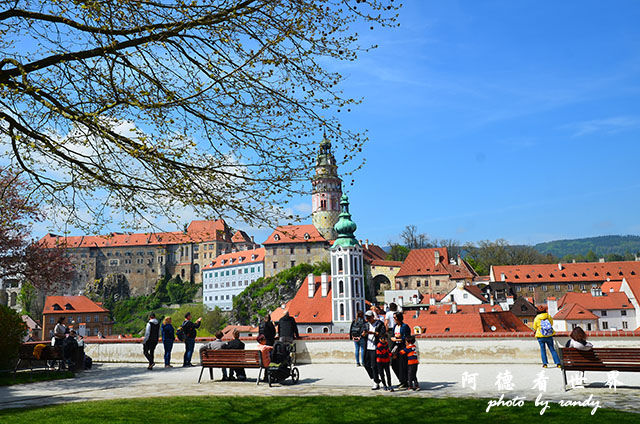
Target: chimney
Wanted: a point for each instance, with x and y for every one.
(509, 300)
(459, 260)
(574, 261)
(559, 266)
(491, 300)
(601, 260)
(552, 306)
(432, 301)
(454, 308)
(366, 243)
(437, 257)
(481, 310)
(503, 277)
(312, 284)
(324, 281)
(401, 301)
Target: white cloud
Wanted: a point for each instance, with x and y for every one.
(611, 125)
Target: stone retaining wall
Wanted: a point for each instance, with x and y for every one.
(433, 349)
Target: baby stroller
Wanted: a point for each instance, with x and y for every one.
(281, 366)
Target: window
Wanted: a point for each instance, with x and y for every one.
(418, 283)
(113, 262)
(215, 297)
(309, 330)
(233, 272)
(308, 249)
(573, 326)
(253, 269)
(518, 288)
(88, 318)
(437, 283)
(624, 324)
(341, 289)
(557, 287)
(246, 270)
(233, 284)
(603, 313)
(275, 264)
(292, 250)
(525, 320)
(196, 256)
(96, 318)
(532, 288)
(51, 320)
(406, 285)
(581, 286)
(605, 325)
(215, 274)
(623, 313)
(293, 263)
(258, 268)
(340, 265)
(227, 273)
(465, 296)
(544, 287)
(569, 286)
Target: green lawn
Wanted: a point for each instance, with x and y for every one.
(8, 379)
(321, 410)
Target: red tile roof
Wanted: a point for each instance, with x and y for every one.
(422, 262)
(578, 272)
(634, 285)
(616, 300)
(241, 237)
(462, 309)
(294, 234)
(80, 304)
(437, 297)
(392, 264)
(611, 286)
(500, 322)
(475, 291)
(198, 231)
(242, 257)
(310, 310)
(573, 311)
(372, 252)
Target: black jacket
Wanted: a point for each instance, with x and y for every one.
(233, 344)
(268, 330)
(357, 327)
(378, 329)
(287, 327)
(189, 329)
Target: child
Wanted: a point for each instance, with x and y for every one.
(383, 357)
(411, 351)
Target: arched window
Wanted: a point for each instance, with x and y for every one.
(357, 288)
(196, 268)
(340, 265)
(341, 288)
(309, 330)
(355, 265)
(182, 273)
(325, 330)
(13, 299)
(342, 310)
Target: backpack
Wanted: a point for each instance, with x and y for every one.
(279, 353)
(545, 328)
(180, 334)
(357, 328)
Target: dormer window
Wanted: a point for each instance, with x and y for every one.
(68, 307)
(276, 237)
(307, 236)
(253, 257)
(240, 259)
(56, 307)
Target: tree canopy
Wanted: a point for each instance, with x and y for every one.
(482, 255)
(21, 258)
(143, 107)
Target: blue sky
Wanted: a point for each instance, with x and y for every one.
(498, 119)
(516, 120)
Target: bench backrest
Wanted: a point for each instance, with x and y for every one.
(48, 353)
(623, 359)
(231, 357)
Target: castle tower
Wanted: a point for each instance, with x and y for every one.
(347, 273)
(327, 189)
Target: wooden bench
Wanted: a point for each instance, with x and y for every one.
(49, 353)
(599, 359)
(230, 358)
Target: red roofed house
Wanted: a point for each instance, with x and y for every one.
(311, 306)
(141, 258)
(84, 315)
(228, 275)
(431, 271)
(291, 245)
(631, 287)
(465, 294)
(609, 311)
(544, 280)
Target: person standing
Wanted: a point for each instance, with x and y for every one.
(190, 333)
(543, 327)
(399, 362)
(371, 332)
(59, 332)
(287, 328)
(389, 319)
(383, 357)
(355, 334)
(268, 330)
(151, 335)
(411, 353)
(168, 336)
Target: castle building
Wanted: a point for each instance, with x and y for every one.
(141, 259)
(291, 245)
(326, 192)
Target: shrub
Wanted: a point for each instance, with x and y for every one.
(13, 330)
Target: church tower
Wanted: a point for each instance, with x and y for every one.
(326, 192)
(347, 273)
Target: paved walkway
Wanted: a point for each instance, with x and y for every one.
(117, 381)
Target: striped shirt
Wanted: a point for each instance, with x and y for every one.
(382, 353)
(412, 357)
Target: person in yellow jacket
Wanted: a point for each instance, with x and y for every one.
(543, 326)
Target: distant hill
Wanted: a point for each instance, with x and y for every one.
(601, 246)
